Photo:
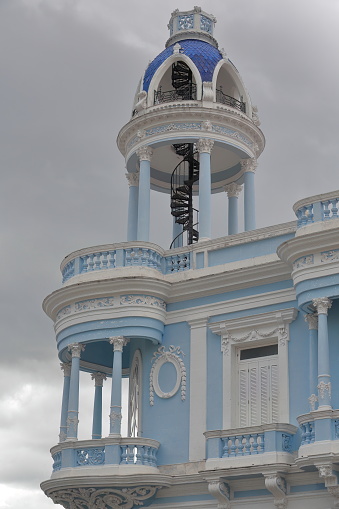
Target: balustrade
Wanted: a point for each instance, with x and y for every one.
(243, 445)
(317, 208)
(307, 433)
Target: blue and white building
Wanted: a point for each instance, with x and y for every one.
(230, 345)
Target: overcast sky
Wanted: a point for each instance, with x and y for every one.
(68, 74)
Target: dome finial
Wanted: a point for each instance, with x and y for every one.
(193, 24)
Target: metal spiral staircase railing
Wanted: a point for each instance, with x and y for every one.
(184, 176)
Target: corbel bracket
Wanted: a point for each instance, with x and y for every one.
(221, 491)
(327, 473)
(277, 485)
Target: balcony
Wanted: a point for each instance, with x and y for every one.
(321, 207)
(123, 455)
(252, 446)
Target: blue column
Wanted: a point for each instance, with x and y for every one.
(322, 306)
(66, 367)
(133, 198)
(312, 320)
(204, 147)
(233, 190)
(118, 343)
(73, 402)
(97, 408)
(249, 166)
(177, 230)
(144, 154)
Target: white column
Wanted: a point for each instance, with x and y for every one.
(66, 367)
(198, 389)
(115, 415)
(322, 305)
(144, 201)
(73, 402)
(249, 166)
(204, 147)
(97, 407)
(133, 198)
(233, 191)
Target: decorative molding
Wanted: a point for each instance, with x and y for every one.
(249, 165)
(85, 305)
(208, 95)
(255, 116)
(233, 190)
(303, 261)
(330, 479)
(322, 305)
(221, 491)
(118, 343)
(286, 442)
(99, 378)
(312, 320)
(62, 436)
(322, 387)
(91, 456)
(63, 312)
(103, 498)
(329, 256)
(132, 179)
(312, 401)
(160, 357)
(254, 335)
(115, 417)
(277, 486)
(145, 153)
(139, 300)
(73, 422)
(66, 368)
(76, 349)
(204, 145)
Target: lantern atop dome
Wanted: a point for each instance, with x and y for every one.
(193, 24)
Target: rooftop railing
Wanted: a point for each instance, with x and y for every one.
(321, 207)
(184, 93)
(229, 101)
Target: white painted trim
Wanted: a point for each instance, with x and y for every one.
(159, 73)
(198, 390)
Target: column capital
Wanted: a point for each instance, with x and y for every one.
(132, 179)
(66, 368)
(249, 165)
(312, 320)
(322, 305)
(233, 190)
(118, 343)
(76, 349)
(205, 145)
(99, 378)
(144, 153)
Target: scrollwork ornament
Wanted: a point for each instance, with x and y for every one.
(76, 349)
(312, 401)
(115, 417)
(98, 378)
(103, 498)
(133, 179)
(277, 486)
(322, 387)
(254, 335)
(233, 190)
(66, 368)
(145, 153)
(118, 343)
(322, 305)
(205, 145)
(249, 165)
(312, 320)
(221, 491)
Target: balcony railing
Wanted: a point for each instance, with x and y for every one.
(229, 101)
(184, 93)
(106, 451)
(321, 207)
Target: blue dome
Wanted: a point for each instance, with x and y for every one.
(203, 55)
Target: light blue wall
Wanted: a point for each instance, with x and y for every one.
(237, 294)
(245, 251)
(168, 419)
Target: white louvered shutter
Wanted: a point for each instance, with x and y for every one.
(258, 391)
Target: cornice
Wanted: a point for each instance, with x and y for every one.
(176, 112)
(316, 198)
(315, 241)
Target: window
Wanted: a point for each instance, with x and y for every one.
(258, 385)
(134, 410)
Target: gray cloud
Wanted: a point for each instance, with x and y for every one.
(69, 70)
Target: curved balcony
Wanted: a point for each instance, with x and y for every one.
(320, 207)
(133, 452)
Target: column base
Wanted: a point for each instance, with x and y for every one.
(324, 407)
(202, 239)
(114, 435)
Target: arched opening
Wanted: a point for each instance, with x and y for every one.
(227, 92)
(177, 84)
